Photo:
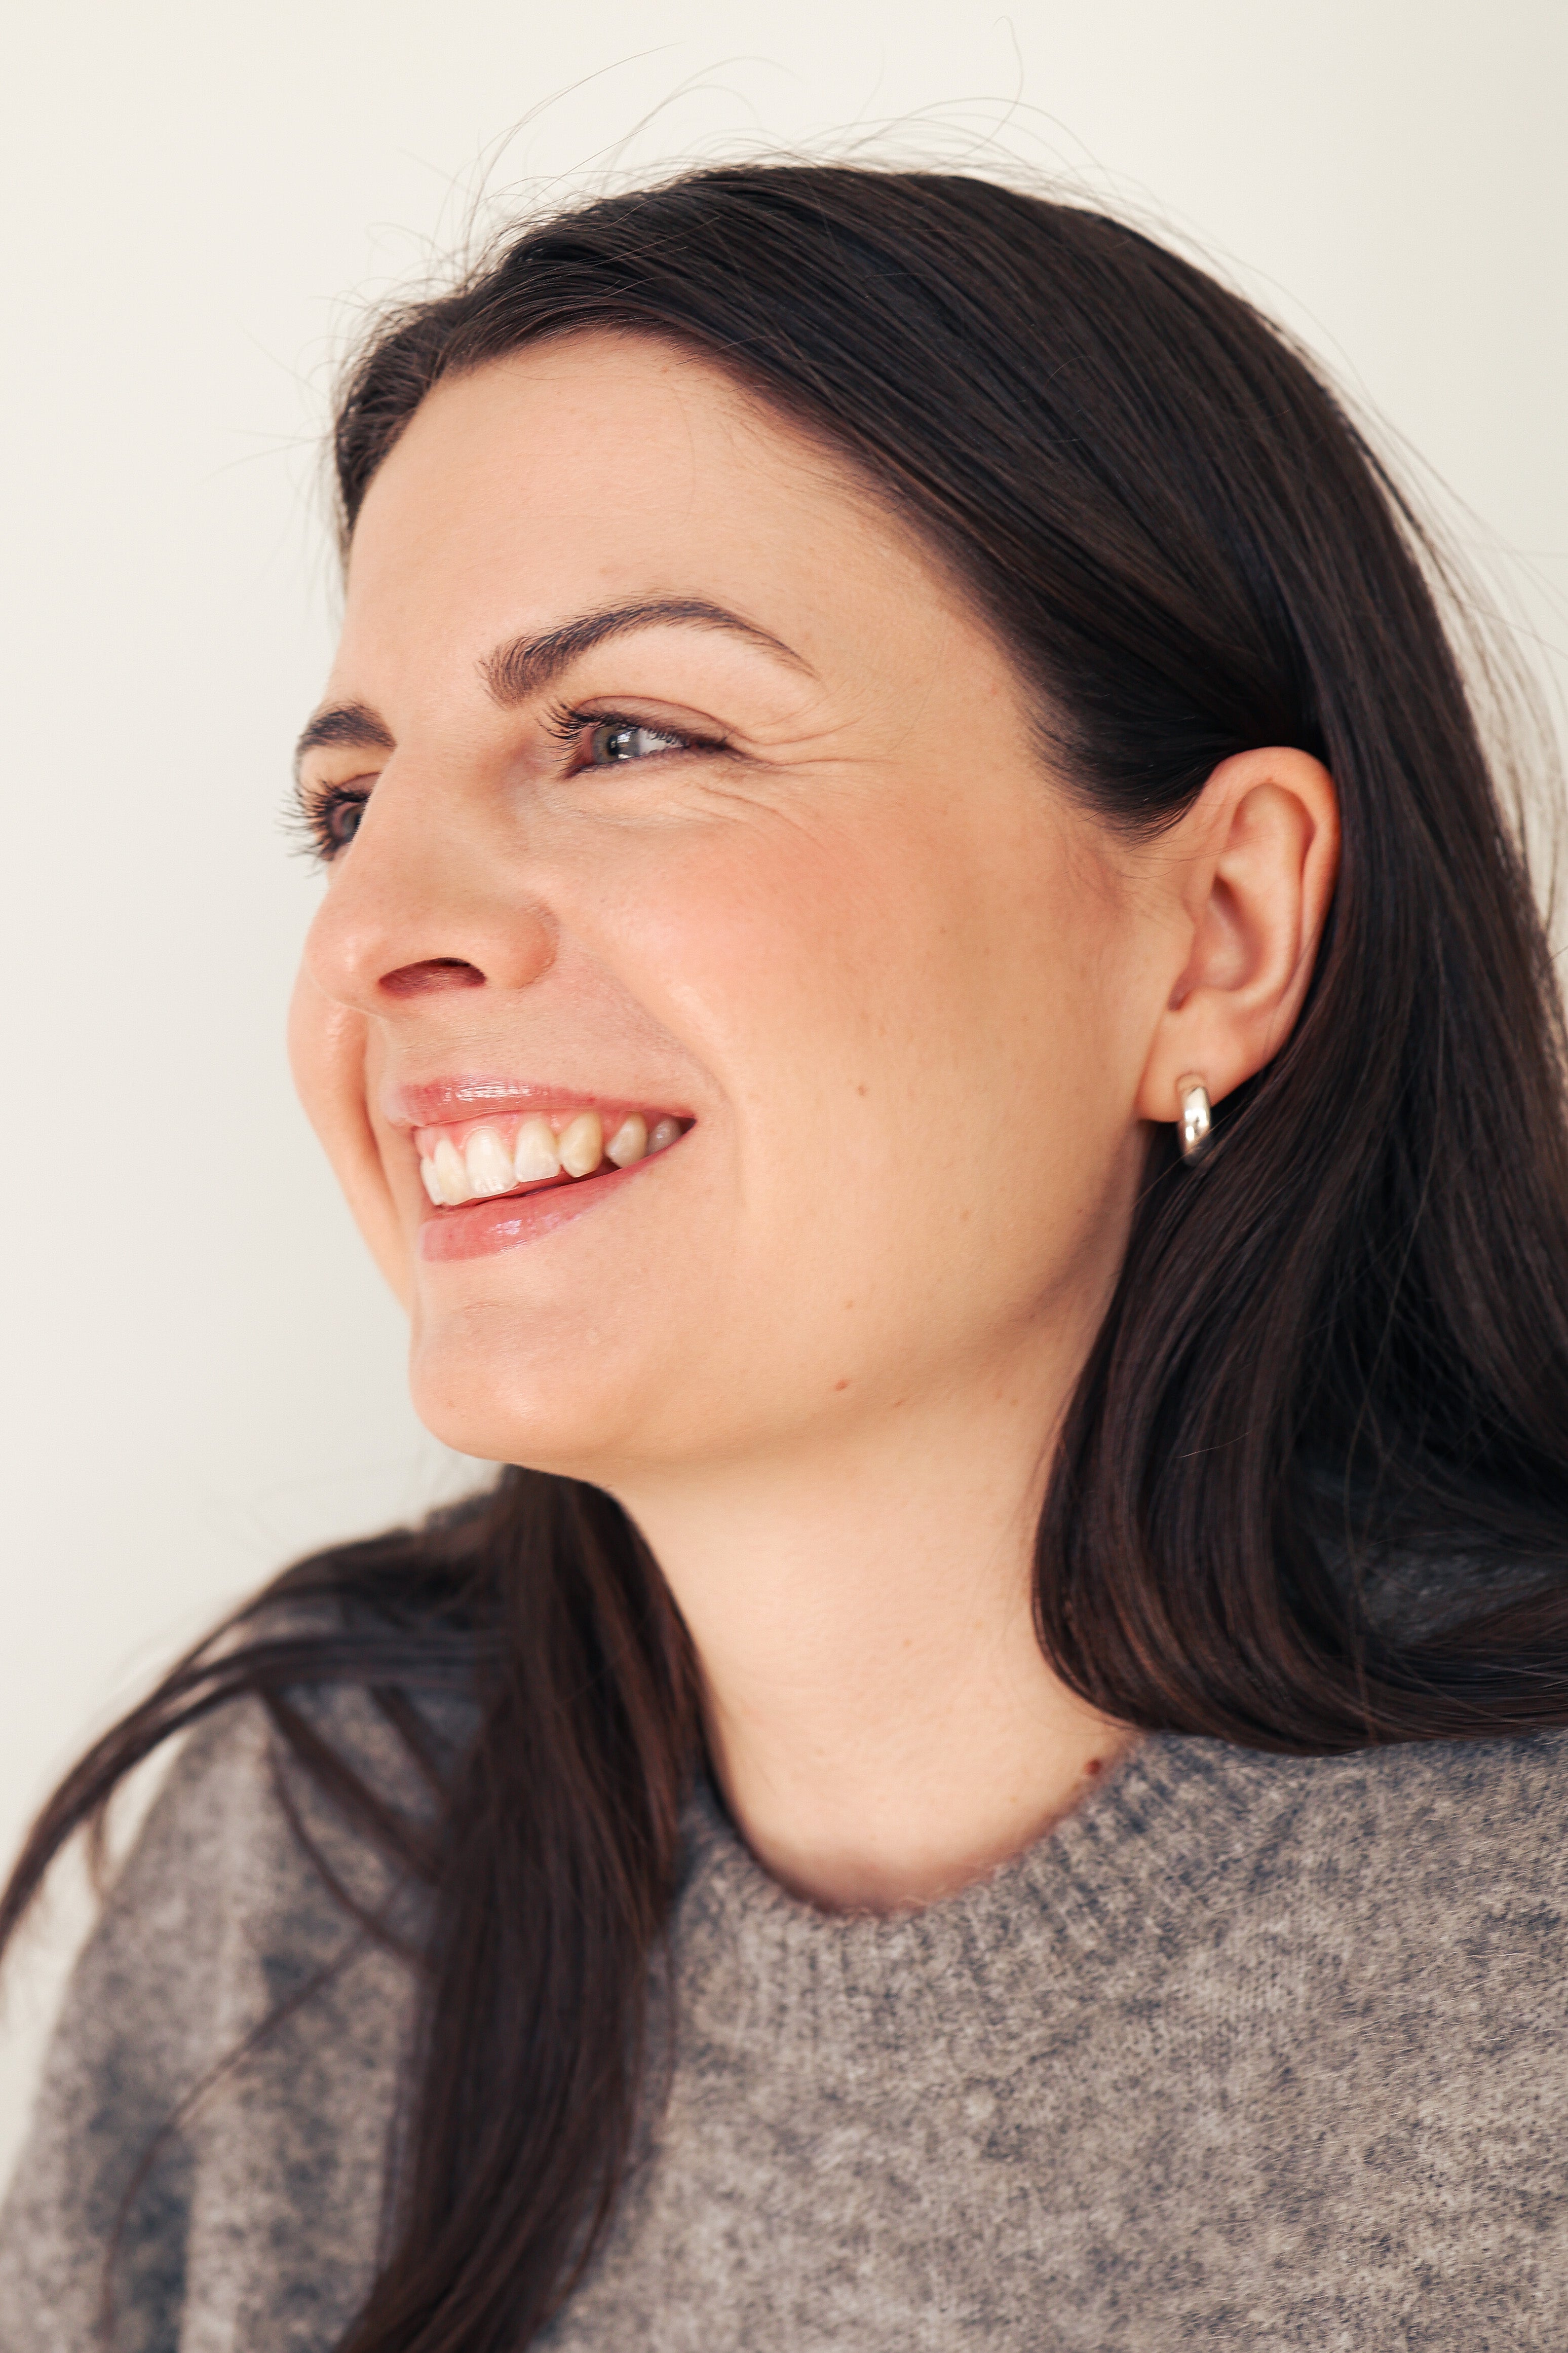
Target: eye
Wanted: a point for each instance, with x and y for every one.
(340, 819)
(612, 741)
(329, 816)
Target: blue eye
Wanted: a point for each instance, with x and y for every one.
(613, 741)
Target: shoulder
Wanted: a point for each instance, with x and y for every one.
(1419, 1863)
(230, 2033)
(1480, 1809)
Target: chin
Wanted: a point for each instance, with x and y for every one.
(516, 1404)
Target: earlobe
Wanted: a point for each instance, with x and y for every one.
(1250, 874)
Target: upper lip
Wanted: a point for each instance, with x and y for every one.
(435, 1102)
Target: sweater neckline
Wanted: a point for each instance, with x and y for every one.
(1172, 1820)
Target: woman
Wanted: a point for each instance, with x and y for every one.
(923, 992)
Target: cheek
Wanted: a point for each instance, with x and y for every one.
(911, 1082)
(960, 963)
(328, 1051)
(777, 955)
(920, 1039)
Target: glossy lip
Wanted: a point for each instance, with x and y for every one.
(448, 1101)
(505, 1220)
(479, 1228)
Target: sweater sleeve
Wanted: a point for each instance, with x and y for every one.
(209, 2142)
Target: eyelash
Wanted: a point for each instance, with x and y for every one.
(566, 724)
(317, 807)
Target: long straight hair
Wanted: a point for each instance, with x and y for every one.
(1337, 1348)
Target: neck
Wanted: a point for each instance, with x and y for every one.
(879, 1714)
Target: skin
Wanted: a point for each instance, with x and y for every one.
(920, 1004)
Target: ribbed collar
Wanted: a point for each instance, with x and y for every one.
(1131, 1871)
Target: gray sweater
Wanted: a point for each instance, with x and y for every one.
(1249, 2053)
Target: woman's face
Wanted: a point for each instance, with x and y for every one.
(682, 795)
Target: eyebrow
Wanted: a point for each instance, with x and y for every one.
(514, 672)
(526, 666)
(351, 724)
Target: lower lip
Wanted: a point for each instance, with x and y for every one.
(481, 1227)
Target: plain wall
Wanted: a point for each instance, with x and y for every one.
(202, 1373)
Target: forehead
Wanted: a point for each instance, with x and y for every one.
(599, 466)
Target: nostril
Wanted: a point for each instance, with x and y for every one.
(435, 972)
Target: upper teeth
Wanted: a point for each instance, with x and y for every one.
(583, 1144)
(535, 1154)
(485, 1167)
(487, 1162)
(628, 1143)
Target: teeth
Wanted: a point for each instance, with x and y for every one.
(488, 1164)
(451, 1173)
(583, 1144)
(628, 1143)
(535, 1155)
(485, 1168)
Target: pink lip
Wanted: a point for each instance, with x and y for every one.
(481, 1227)
(435, 1102)
(477, 1229)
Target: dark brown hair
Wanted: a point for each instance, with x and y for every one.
(1313, 1490)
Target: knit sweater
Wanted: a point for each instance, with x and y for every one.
(1249, 2052)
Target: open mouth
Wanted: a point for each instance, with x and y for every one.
(488, 1159)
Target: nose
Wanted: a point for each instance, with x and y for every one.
(424, 900)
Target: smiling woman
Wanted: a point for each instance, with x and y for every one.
(924, 994)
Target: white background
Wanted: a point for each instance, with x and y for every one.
(201, 1376)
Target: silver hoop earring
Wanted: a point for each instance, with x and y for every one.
(1196, 1121)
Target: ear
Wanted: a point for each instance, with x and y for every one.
(1251, 871)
